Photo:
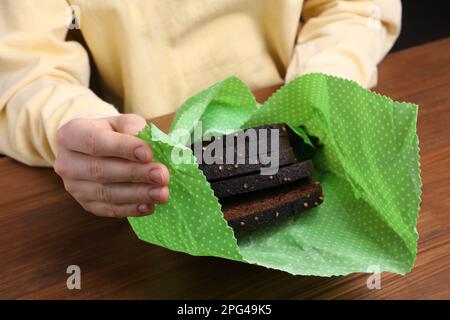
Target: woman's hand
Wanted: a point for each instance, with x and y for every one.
(108, 170)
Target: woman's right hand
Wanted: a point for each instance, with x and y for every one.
(108, 170)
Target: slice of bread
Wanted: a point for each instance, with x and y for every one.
(215, 171)
(251, 200)
(256, 181)
(266, 207)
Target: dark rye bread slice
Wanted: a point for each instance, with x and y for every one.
(245, 214)
(283, 131)
(255, 182)
(221, 171)
(240, 148)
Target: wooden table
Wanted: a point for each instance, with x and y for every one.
(43, 230)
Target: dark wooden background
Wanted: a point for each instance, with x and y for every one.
(43, 230)
(422, 22)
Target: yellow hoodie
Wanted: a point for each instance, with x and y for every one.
(153, 54)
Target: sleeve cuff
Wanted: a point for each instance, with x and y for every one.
(348, 72)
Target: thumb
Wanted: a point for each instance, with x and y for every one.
(129, 124)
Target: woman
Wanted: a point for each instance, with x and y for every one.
(150, 56)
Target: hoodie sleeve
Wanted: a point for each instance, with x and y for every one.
(346, 38)
(43, 79)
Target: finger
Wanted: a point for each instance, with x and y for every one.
(118, 193)
(83, 136)
(78, 166)
(119, 211)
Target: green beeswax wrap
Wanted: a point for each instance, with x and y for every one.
(365, 151)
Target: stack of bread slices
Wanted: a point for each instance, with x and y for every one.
(256, 176)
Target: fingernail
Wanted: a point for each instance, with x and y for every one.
(143, 208)
(142, 154)
(156, 175)
(155, 194)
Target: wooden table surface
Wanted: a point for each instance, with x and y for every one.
(43, 230)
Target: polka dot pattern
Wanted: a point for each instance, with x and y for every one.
(222, 107)
(368, 163)
(367, 159)
(192, 220)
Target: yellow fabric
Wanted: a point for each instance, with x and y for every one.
(151, 55)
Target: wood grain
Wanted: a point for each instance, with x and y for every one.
(43, 230)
